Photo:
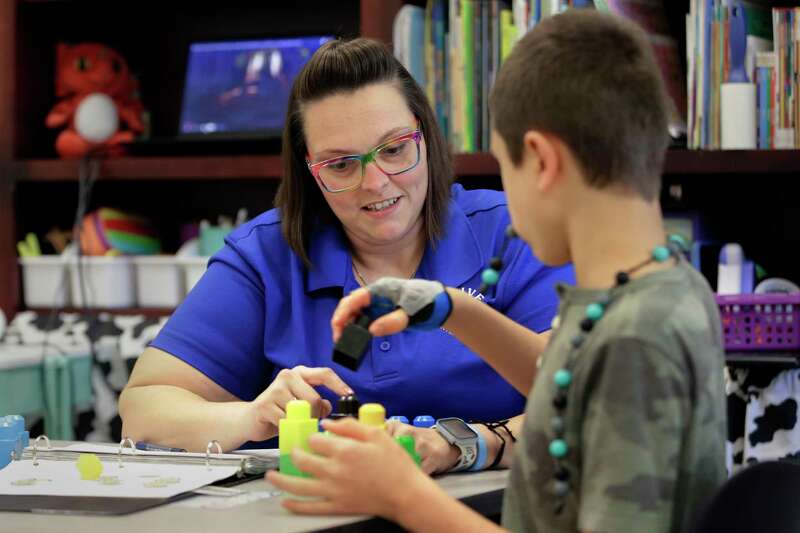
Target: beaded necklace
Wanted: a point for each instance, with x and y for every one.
(558, 448)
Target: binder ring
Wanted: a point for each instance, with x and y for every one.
(211, 444)
(122, 443)
(36, 445)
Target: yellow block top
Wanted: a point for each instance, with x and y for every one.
(298, 410)
(372, 414)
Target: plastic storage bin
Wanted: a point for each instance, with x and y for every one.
(760, 322)
(159, 280)
(193, 270)
(109, 281)
(44, 281)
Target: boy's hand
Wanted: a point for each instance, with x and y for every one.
(437, 454)
(359, 470)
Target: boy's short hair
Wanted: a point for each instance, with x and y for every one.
(591, 79)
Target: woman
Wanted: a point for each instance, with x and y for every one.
(255, 331)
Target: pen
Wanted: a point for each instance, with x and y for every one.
(150, 447)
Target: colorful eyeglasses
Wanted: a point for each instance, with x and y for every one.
(393, 157)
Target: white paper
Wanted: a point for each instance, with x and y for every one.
(133, 480)
(263, 453)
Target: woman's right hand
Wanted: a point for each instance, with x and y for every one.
(295, 384)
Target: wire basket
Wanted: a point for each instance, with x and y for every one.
(760, 322)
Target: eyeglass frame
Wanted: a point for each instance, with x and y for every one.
(366, 159)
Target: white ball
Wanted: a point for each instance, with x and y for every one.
(96, 118)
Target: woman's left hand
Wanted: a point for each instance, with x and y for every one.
(437, 454)
(358, 470)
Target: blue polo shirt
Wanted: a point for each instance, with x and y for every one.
(258, 310)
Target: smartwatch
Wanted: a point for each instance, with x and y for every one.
(457, 432)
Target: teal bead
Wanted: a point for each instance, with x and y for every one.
(594, 311)
(490, 276)
(661, 253)
(679, 241)
(558, 448)
(562, 378)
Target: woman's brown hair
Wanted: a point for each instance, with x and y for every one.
(343, 66)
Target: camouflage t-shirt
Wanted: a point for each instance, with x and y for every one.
(645, 413)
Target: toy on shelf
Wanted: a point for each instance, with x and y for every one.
(106, 230)
(98, 103)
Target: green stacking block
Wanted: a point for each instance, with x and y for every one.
(293, 432)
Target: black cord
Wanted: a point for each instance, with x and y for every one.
(492, 426)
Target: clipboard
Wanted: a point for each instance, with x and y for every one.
(44, 479)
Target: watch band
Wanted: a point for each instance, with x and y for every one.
(469, 450)
(480, 460)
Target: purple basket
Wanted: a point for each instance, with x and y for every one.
(760, 322)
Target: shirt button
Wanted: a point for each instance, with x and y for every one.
(385, 346)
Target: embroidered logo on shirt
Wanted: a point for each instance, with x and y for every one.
(472, 292)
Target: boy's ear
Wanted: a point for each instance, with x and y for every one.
(544, 153)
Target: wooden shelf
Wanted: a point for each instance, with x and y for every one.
(146, 168)
(763, 359)
(150, 312)
(732, 162)
(694, 162)
(677, 162)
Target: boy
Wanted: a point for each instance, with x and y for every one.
(624, 426)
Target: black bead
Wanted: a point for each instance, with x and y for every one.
(510, 233)
(587, 324)
(559, 401)
(483, 289)
(496, 263)
(577, 340)
(622, 278)
(562, 474)
(559, 506)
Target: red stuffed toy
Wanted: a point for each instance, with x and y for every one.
(99, 103)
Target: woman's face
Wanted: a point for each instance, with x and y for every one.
(383, 209)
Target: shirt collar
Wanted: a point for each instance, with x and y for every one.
(458, 256)
(330, 256)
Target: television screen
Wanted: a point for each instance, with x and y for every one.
(242, 87)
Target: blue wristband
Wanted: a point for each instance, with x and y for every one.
(480, 462)
(442, 307)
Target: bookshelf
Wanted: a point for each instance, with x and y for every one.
(33, 182)
(748, 195)
(269, 167)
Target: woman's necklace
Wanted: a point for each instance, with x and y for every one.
(361, 279)
(363, 282)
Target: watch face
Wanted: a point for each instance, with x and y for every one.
(457, 428)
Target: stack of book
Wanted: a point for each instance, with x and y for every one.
(454, 49)
(772, 63)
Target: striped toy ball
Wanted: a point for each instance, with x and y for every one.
(109, 231)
